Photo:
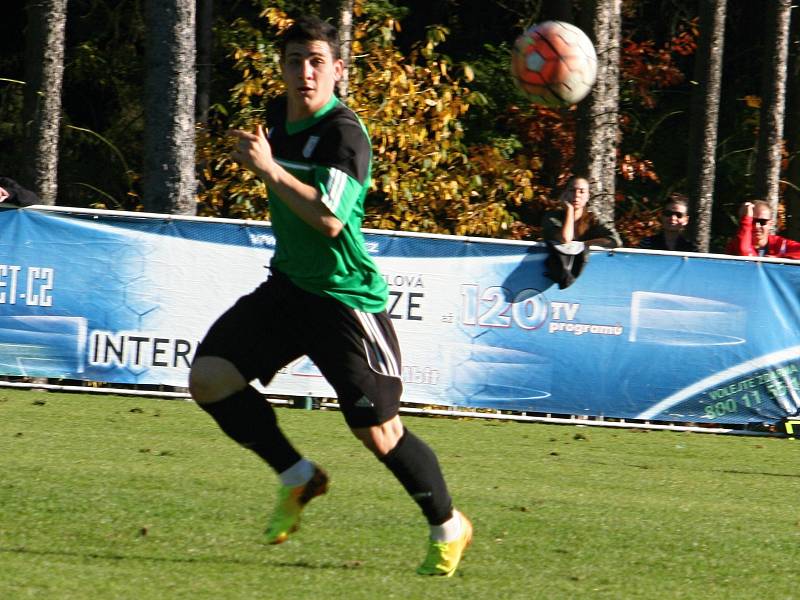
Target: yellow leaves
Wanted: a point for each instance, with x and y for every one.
(424, 178)
(277, 18)
(469, 74)
(752, 101)
(437, 34)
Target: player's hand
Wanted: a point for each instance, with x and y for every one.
(253, 150)
(746, 210)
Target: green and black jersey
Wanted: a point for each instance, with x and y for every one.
(331, 151)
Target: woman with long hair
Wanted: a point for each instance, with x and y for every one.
(575, 221)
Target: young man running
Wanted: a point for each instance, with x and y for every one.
(324, 298)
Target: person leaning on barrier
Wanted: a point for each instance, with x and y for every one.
(754, 238)
(575, 221)
(13, 194)
(674, 218)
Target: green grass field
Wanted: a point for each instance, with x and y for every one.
(121, 497)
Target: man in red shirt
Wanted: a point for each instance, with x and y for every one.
(753, 237)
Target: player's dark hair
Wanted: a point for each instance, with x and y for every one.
(311, 29)
(575, 177)
(676, 198)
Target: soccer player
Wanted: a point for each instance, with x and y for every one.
(324, 298)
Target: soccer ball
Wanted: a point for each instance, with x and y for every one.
(554, 64)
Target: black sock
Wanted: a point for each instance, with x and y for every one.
(414, 464)
(250, 420)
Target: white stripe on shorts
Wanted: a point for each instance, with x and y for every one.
(388, 361)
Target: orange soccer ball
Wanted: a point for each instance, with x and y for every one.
(554, 64)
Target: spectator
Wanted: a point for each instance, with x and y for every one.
(12, 193)
(575, 221)
(674, 218)
(754, 238)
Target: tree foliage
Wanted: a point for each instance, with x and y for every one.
(428, 176)
(424, 176)
(504, 156)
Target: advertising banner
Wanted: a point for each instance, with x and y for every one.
(687, 338)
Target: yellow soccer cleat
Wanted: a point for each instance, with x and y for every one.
(291, 502)
(443, 557)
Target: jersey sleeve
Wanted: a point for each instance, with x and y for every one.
(791, 248)
(742, 244)
(343, 157)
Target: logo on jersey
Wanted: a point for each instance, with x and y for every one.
(310, 145)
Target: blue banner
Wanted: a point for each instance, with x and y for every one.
(126, 297)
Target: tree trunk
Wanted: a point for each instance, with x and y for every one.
(792, 135)
(169, 180)
(773, 102)
(340, 13)
(704, 117)
(205, 40)
(597, 133)
(346, 41)
(44, 66)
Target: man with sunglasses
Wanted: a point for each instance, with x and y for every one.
(754, 238)
(674, 218)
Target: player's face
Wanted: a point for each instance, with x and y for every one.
(762, 222)
(674, 217)
(310, 73)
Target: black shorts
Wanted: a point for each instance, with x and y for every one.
(357, 352)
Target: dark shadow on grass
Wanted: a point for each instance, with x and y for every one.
(736, 472)
(109, 556)
(730, 471)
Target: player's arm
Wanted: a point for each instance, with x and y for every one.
(254, 151)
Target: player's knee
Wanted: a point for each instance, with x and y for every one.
(211, 379)
(370, 443)
(381, 439)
